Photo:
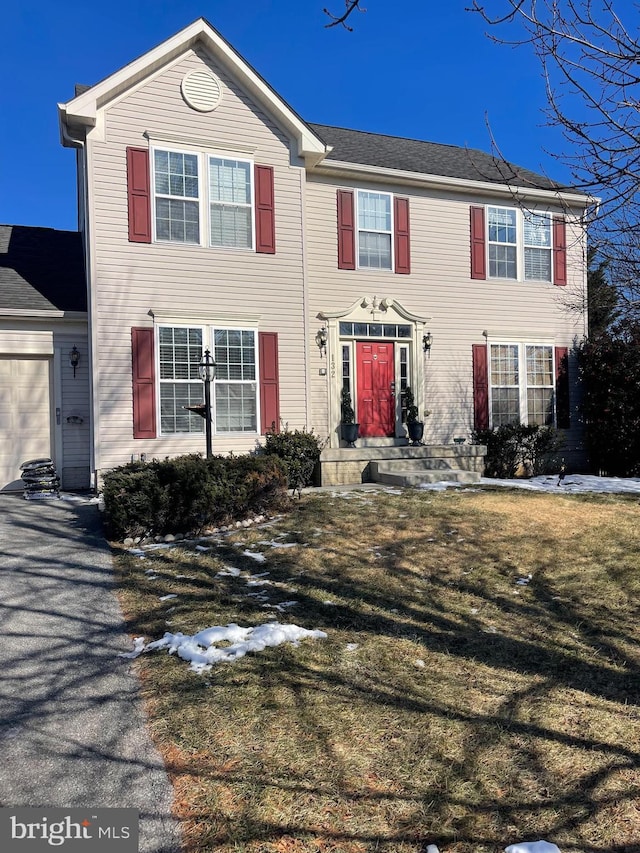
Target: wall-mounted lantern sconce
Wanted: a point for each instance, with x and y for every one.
(321, 340)
(74, 358)
(427, 340)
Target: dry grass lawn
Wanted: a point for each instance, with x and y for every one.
(449, 704)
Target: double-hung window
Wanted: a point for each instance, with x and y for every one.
(522, 384)
(374, 230)
(177, 196)
(235, 397)
(183, 180)
(179, 353)
(519, 244)
(230, 203)
(235, 381)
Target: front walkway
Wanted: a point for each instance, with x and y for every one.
(72, 729)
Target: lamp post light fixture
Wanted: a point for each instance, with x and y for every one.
(74, 358)
(207, 370)
(427, 340)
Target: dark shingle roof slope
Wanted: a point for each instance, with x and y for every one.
(427, 158)
(41, 269)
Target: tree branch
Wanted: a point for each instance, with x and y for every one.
(350, 6)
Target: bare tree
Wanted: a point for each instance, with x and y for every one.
(337, 20)
(590, 62)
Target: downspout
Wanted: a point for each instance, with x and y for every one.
(80, 144)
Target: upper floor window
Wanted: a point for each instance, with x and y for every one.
(519, 244)
(374, 230)
(193, 197)
(177, 197)
(231, 195)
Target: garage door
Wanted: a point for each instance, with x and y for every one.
(25, 415)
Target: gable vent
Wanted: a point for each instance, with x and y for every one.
(201, 90)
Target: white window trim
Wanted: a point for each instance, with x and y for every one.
(358, 230)
(522, 385)
(208, 341)
(204, 195)
(520, 244)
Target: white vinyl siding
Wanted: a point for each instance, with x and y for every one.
(522, 386)
(519, 244)
(374, 230)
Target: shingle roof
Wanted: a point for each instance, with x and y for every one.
(41, 269)
(427, 158)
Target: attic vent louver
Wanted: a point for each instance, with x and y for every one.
(201, 90)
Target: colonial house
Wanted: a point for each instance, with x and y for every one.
(307, 259)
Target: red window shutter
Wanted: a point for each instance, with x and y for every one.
(559, 251)
(480, 387)
(269, 382)
(401, 235)
(144, 387)
(346, 231)
(563, 411)
(265, 210)
(139, 195)
(478, 248)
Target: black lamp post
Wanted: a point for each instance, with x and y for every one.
(207, 370)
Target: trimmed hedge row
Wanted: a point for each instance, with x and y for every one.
(189, 493)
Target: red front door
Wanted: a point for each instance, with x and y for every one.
(375, 401)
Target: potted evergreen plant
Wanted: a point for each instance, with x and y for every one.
(348, 428)
(415, 428)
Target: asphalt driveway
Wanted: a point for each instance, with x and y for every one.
(72, 729)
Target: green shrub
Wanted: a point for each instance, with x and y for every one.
(516, 449)
(188, 494)
(299, 451)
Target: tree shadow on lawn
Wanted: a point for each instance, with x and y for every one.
(459, 806)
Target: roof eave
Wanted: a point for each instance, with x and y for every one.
(342, 168)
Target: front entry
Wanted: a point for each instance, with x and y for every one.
(375, 383)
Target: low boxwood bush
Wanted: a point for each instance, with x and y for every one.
(514, 449)
(188, 494)
(299, 451)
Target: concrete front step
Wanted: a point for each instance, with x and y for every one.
(342, 466)
(415, 478)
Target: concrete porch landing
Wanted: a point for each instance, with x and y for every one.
(402, 465)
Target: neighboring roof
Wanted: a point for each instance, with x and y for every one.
(428, 158)
(41, 269)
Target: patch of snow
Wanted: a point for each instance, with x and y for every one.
(255, 555)
(351, 647)
(202, 651)
(167, 597)
(228, 571)
(532, 847)
(138, 647)
(574, 483)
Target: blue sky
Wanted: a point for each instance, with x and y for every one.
(427, 72)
